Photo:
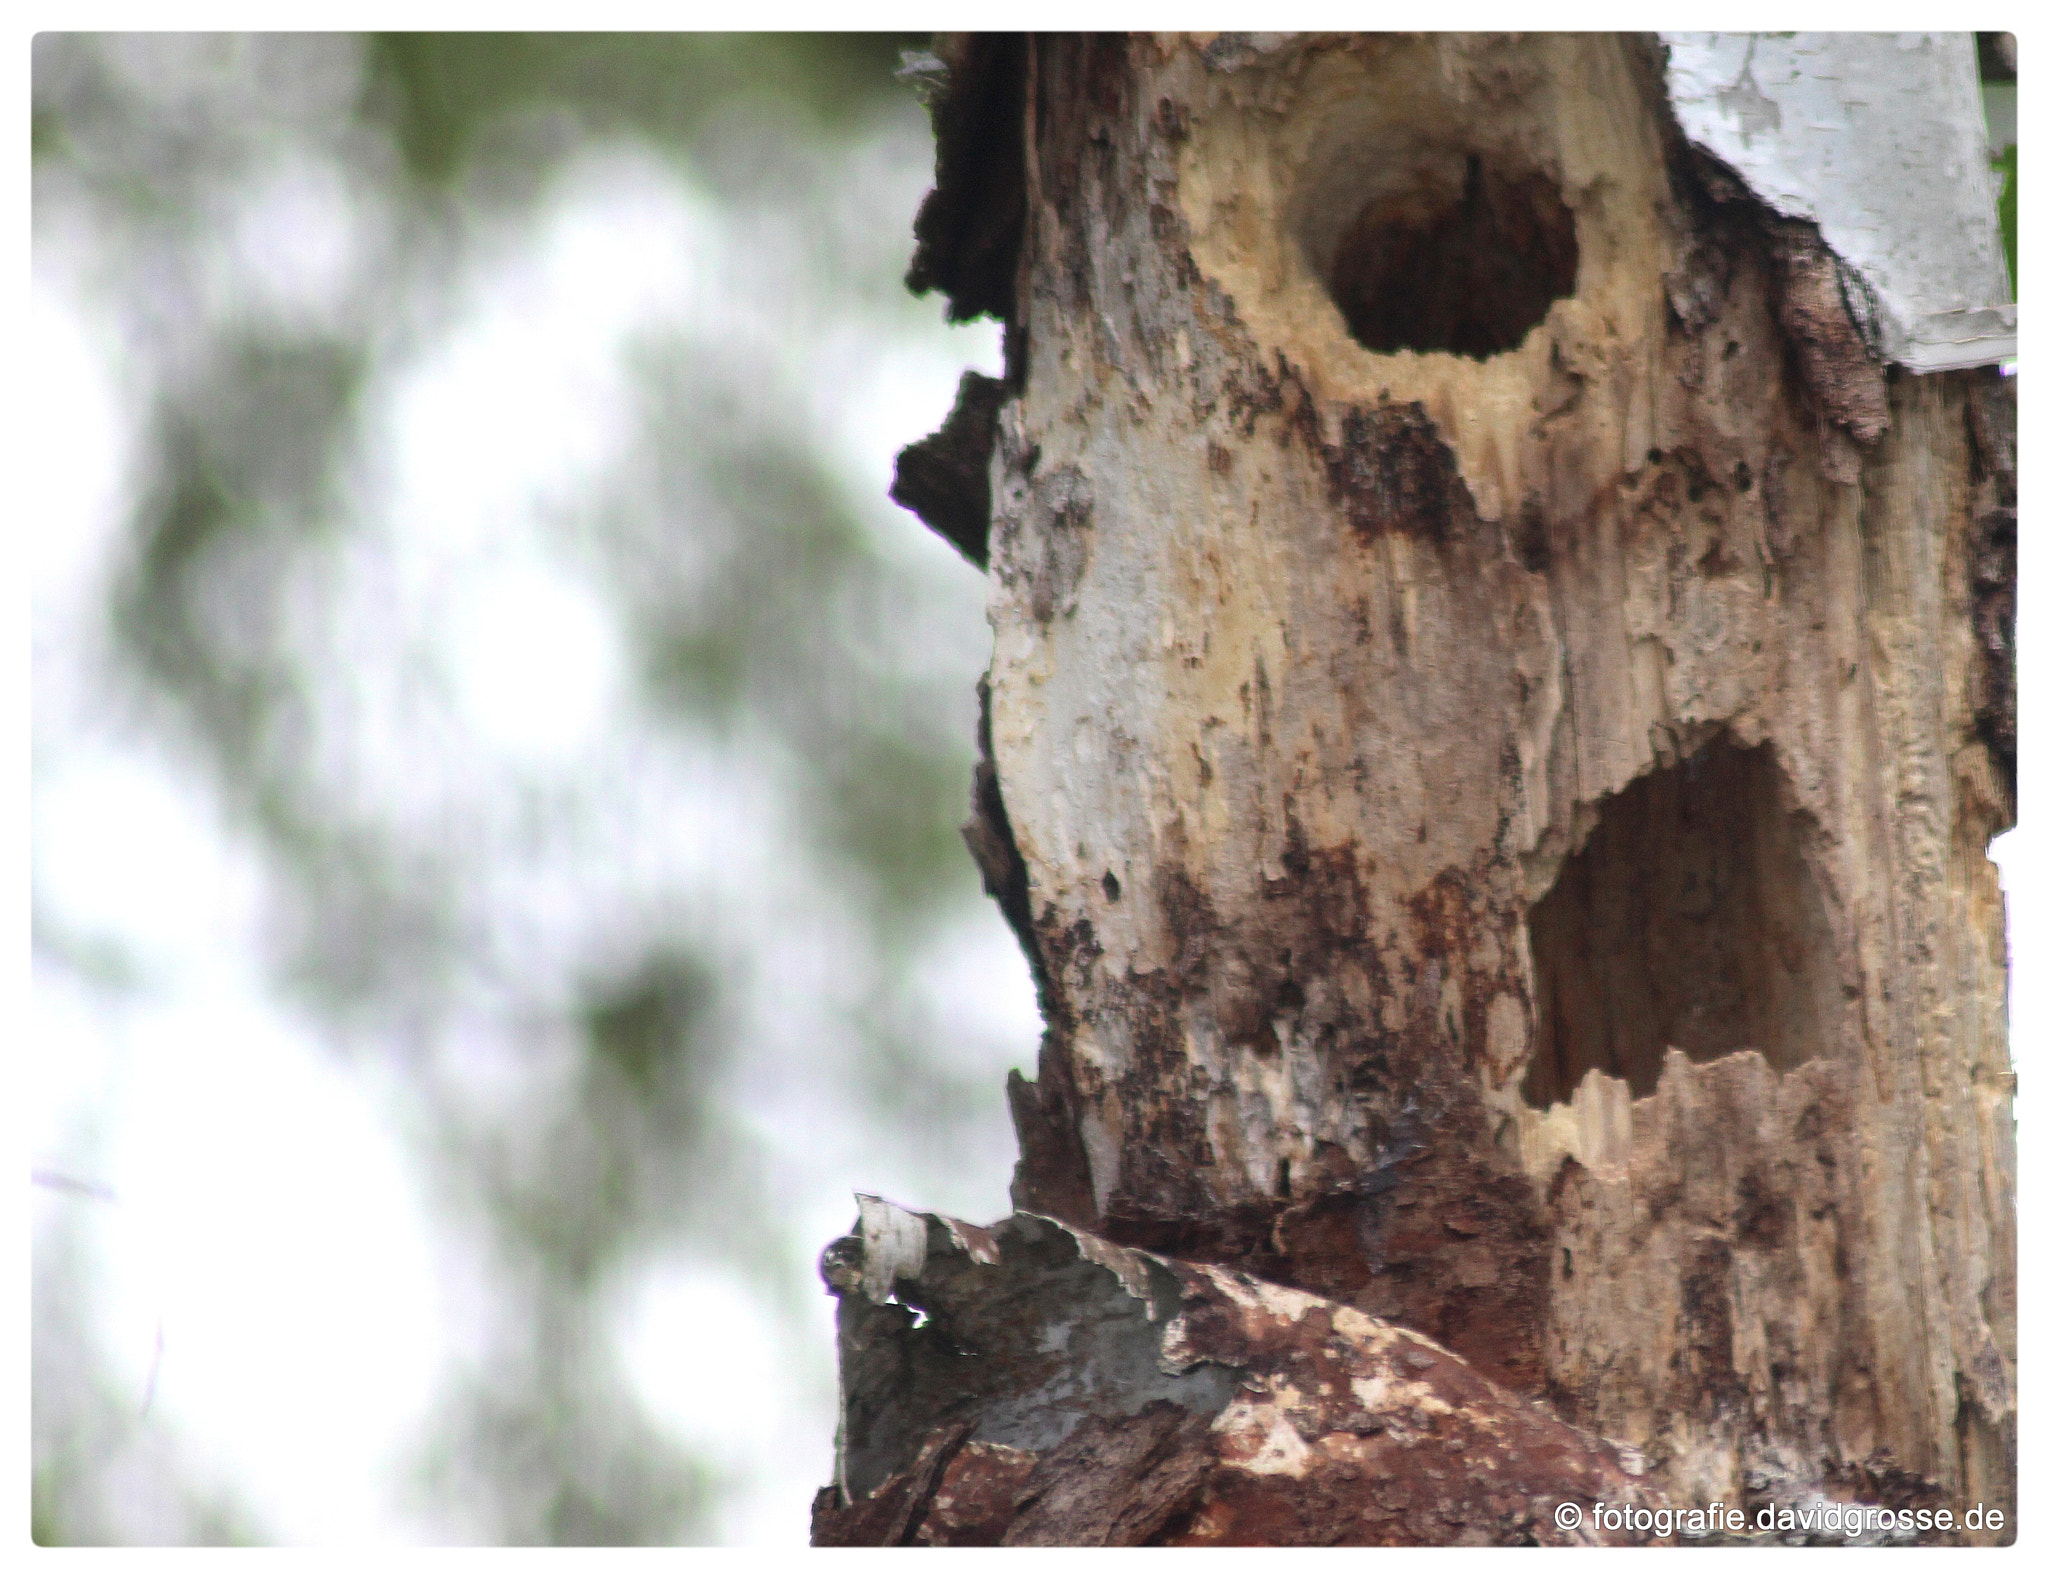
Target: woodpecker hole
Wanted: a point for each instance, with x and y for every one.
(1690, 918)
(1461, 252)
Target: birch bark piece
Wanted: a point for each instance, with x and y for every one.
(1880, 139)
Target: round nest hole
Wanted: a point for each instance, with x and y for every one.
(1691, 918)
(1468, 267)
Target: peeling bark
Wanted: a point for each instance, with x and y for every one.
(943, 479)
(1498, 704)
(1836, 360)
(969, 229)
(1070, 1392)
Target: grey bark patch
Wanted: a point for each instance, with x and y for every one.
(1229, 52)
(1824, 308)
(1697, 289)
(1054, 540)
(1026, 1348)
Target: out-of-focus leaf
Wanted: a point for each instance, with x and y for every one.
(441, 92)
(2007, 164)
(773, 633)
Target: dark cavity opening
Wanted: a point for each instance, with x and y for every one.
(1468, 264)
(1689, 919)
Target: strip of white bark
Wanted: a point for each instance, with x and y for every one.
(1879, 139)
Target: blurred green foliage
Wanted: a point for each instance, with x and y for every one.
(441, 92)
(82, 1423)
(763, 622)
(2007, 164)
(1998, 76)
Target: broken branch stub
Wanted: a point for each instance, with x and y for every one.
(1030, 1384)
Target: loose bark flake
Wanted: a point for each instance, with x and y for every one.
(1842, 372)
(943, 479)
(969, 227)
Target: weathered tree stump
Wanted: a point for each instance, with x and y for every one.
(1500, 696)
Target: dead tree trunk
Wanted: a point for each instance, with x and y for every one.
(1499, 701)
